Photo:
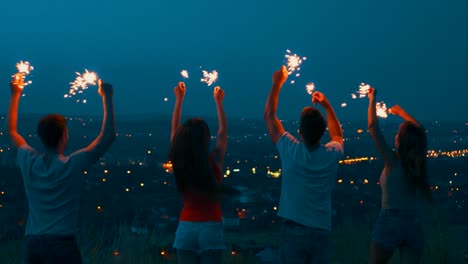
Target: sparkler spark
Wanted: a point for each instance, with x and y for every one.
(184, 74)
(81, 83)
(209, 77)
(381, 110)
(310, 88)
(363, 90)
(24, 69)
(293, 63)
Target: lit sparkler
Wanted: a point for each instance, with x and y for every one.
(209, 77)
(363, 90)
(24, 68)
(381, 109)
(293, 63)
(81, 83)
(310, 88)
(184, 74)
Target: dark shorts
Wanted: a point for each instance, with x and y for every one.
(398, 228)
(51, 249)
(302, 244)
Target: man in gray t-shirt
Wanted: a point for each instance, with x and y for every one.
(52, 180)
(309, 169)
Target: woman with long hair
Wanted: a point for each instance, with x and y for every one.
(199, 236)
(404, 185)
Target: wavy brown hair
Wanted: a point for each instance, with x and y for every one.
(412, 150)
(190, 157)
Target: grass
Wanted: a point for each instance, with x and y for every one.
(350, 243)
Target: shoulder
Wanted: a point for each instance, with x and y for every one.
(79, 159)
(287, 138)
(26, 152)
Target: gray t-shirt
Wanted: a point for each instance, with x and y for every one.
(52, 188)
(307, 181)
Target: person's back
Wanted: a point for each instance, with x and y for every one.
(52, 185)
(308, 172)
(52, 180)
(308, 176)
(199, 236)
(397, 192)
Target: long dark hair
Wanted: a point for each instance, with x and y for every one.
(190, 157)
(412, 150)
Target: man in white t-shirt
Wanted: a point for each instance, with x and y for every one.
(309, 170)
(52, 180)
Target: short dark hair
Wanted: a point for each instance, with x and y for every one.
(312, 126)
(51, 129)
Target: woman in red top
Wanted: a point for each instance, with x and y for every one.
(199, 236)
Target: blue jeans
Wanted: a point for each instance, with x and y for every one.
(302, 244)
(199, 237)
(51, 249)
(395, 228)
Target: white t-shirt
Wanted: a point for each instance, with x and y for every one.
(307, 180)
(53, 191)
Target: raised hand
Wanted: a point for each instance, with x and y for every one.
(105, 89)
(218, 94)
(396, 110)
(280, 76)
(320, 98)
(17, 84)
(179, 90)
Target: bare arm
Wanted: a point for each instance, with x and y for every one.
(399, 111)
(222, 137)
(334, 127)
(16, 90)
(373, 125)
(179, 91)
(106, 137)
(275, 128)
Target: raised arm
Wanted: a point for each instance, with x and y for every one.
(376, 133)
(275, 128)
(179, 92)
(399, 111)
(222, 137)
(16, 86)
(334, 127)
(106, 137)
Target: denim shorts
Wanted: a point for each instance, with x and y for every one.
(395, 228)
(302, 244)
(199, 237)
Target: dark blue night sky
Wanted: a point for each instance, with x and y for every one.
(414, 52)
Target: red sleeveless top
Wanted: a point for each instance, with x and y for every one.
(200, 208)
